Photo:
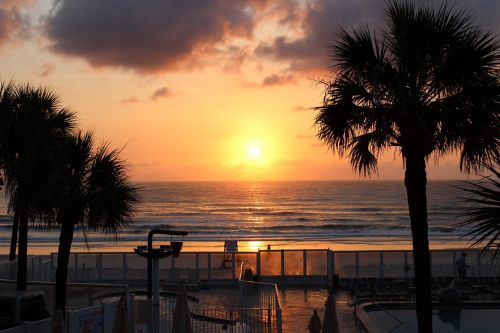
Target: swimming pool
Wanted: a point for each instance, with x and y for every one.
(401, 317)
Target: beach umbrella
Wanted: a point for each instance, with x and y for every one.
(182, 318)
(57, 322)
(121, 324)
(330, 321)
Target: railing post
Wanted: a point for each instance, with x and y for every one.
(269, 326)
(406, 267)
(357, 265)
(329, 268)
(99, 266)
(381, 264)
(77, 277)
(32, 268)
(430, 262)
(454, 263)
(39, 275)
(305, 262)
(282, 262)
(124, 266)
(258, 265)
(209, 264)
(478, 274)
(279, 323)
(197, 265)
(52, 267)
(233, 265)
(90, 296)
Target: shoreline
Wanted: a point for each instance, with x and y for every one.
(245, 246)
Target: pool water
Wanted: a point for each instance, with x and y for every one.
(445, 320)
(299, 303)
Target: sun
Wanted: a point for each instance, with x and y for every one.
(254, 151)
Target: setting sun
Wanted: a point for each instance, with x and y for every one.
(254, 151)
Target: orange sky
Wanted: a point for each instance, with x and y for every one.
(189, 93)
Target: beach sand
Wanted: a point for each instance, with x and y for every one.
(243, 246)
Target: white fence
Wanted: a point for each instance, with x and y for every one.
(304, 266)
(98, 319)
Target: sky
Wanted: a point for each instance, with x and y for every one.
(200, 89)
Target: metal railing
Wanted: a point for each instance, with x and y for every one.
(261, 295)
(205, 320)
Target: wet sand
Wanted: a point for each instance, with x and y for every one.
(243, 246)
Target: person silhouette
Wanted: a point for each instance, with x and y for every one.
(462, 267)
(314, 323)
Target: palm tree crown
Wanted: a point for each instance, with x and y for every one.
(429, 85)
(32, 129)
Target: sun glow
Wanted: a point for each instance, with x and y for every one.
(254, 151)
(254, 245)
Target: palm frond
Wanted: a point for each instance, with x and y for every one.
(110, 197)
(483, 220)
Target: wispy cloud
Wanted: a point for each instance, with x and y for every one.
(130, 100)
(160, 92)
(46, 69)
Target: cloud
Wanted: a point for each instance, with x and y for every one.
(322, 19)
(148, 36)
(46, 69)
(276, 79)
(272, 80)
(14, 25)
(160, 92)
(130, 100)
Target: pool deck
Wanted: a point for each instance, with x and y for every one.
(298, 304)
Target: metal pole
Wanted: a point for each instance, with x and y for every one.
(381, 264)
(357, 265)
(305, 263)
(156, 295)
(282, 262)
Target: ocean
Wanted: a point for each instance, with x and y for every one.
(356, 212)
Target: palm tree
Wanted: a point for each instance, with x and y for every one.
(483, 220)
(428, 87)
(32, 129)
(6, 105)
(97, 196)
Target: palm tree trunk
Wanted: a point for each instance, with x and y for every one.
(22, 259)
(13, 239)
(65, 240)
(415, 182)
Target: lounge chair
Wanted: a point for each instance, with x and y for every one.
(174, 278)
(492, 287)
(400, 290)
(381, 290)
(360, 289)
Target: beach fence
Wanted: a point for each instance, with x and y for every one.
(305, 267)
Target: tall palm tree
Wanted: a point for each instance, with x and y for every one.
(6, 105)
(428, 87)
(32, 129)
(97, 196)
(483, 220)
